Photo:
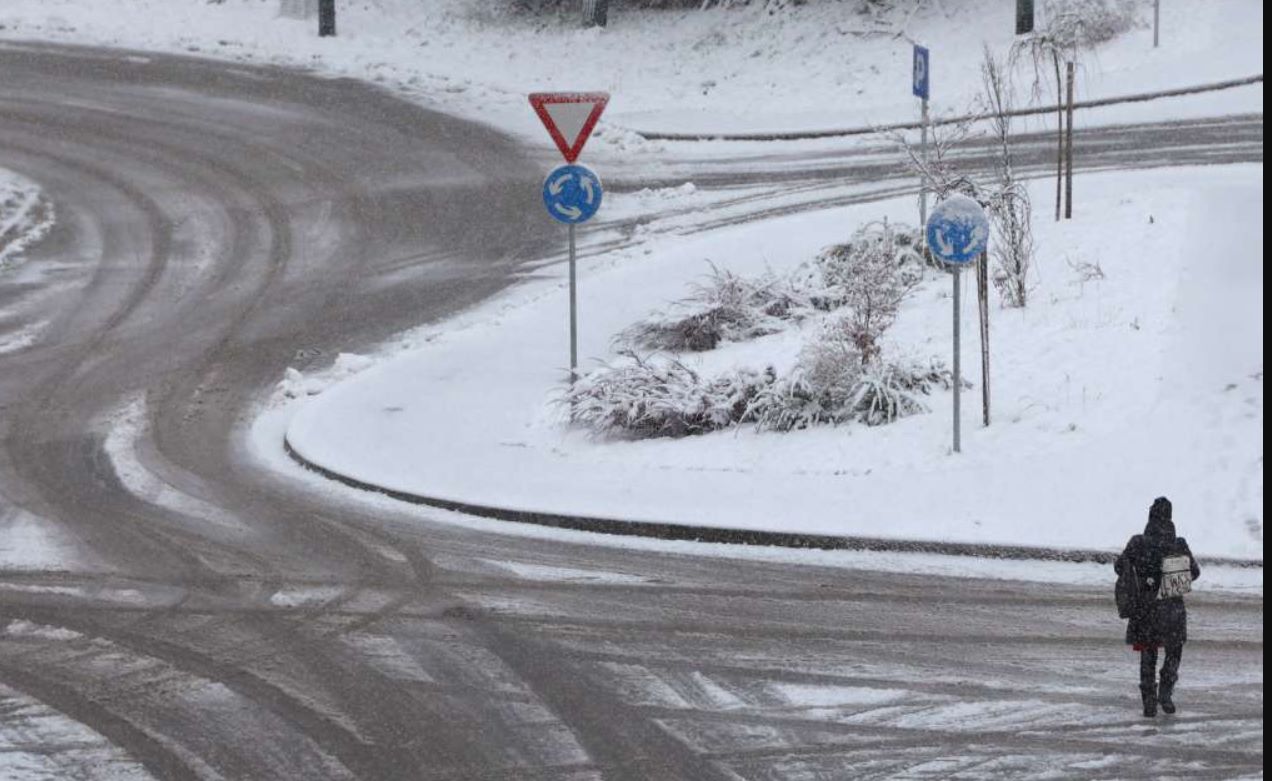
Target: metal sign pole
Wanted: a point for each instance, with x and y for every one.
(957, 233)
(958, 377)
(572, 193)
(1157, 19)
(923, 184)
(574, 314)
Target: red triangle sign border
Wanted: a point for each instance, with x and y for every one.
(571, 148)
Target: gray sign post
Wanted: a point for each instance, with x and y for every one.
(571, 193)
(958, 368)
(957, 232)
(574, 310)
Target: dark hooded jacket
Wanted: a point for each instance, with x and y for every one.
(1162, 622)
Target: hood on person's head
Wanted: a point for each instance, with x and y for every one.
(1159, 522)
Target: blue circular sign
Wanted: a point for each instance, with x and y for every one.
(572, 193)
(958, 230)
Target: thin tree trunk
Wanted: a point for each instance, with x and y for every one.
(1055, 59)
(982, 296)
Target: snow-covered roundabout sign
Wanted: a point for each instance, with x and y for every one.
(958, 230)
(957, 233)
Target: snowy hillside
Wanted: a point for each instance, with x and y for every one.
(825, 63)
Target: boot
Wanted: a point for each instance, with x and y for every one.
(1149, 694)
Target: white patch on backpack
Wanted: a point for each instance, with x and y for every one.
(1176, 577)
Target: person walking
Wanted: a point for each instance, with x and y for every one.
(1165, 568)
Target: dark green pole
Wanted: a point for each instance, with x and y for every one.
(326, 18)
(1024, 16)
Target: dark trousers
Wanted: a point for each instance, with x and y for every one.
(1170, 671)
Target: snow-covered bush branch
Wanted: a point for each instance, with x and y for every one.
(644, 398)
(1010, 210)
(871, 275)
(1078, 23)
(725, 307)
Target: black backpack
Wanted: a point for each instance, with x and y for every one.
(1128, 592)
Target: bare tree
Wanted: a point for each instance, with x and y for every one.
(938, 172)
(1009, 206)
(1044, 49)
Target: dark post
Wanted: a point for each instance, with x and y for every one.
(1068, 151)
(1055, 59)
(982, 300)
(326, 18)
(595, 13)
(1024, 16)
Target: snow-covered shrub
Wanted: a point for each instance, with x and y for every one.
(1011, 215)
(818, 390)
(887, 392)
(830, 386)
(880, 399)
(832, 364)
(770, 6)
(1088, 22)
(893, 247)
(787, 404)
(870, 276)
(838, 391)
(692, 332)
(726, 307)
(644, 398)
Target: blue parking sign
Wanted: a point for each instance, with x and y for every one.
(921, 72)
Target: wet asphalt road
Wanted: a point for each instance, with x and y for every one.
(219, 223)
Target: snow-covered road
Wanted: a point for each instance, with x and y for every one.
(217, 223)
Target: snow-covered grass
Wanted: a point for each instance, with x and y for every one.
(821, 64)
(1107, 392)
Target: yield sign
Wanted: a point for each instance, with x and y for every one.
(569, 117)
